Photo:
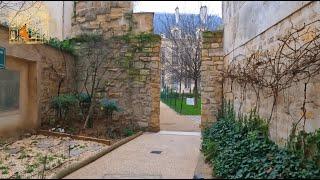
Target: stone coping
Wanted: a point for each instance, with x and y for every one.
(73, 167)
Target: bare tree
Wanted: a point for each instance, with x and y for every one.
(185, 44)
(15, 7)
(99, 56)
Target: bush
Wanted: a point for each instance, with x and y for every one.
(62, 104)
(109, 106)
(128, 132)
(84, 98)
(241, 148)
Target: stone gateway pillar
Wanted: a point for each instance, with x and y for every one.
(211, 79)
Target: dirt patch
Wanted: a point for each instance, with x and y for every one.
(39, 156)
(114, 131)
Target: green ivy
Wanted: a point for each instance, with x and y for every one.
(68, 45)
(240, 148)
(307, 145)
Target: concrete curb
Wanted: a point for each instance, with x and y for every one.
(73, 167)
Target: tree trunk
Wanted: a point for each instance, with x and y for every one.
(180, 87)
(195, 92)
(89, 115)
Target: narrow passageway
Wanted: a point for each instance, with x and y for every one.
(175, 153)
(172, 121)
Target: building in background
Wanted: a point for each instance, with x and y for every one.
(178, 30)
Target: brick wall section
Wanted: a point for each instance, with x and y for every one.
(211, 80)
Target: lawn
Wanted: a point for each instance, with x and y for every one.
(185, 109)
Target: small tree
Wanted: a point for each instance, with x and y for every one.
(99, 55)
(184, 44)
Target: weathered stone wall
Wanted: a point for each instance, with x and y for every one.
(132, 78)
(211, 79)
(55, 67)
(137, 88)
(110, 18)
(251, 26)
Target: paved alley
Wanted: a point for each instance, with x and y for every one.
(171, 153)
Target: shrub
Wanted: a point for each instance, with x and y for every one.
(84, 98)
(62, 104)
(128, 132)
(109, 106)
(241, 148)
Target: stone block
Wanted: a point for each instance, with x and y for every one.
(82, 12)
(215, 45)
(144, 72)
(155, 58)
(204, 52)
(90, 16)
(144, 58)
(216, 52)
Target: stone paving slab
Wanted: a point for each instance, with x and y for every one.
(181, 133)
(178, 159)
(172, 121)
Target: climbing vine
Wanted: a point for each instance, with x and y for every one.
(295, 60)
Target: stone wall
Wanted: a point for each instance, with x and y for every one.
(135, 71)
(131, 78)
(110, 18)
(55, 67)
(251, 26)
(211, 79)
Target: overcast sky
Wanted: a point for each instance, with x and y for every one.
(214, 7)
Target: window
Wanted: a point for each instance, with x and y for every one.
(9, 90)
(175, 56)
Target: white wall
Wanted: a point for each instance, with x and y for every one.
(60, 13)
(244, 20)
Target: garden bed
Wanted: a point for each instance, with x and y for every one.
(40, 156)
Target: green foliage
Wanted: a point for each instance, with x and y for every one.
(307, 145)
(83, 98)
(65, 45)
(109, 106)
(4, 169)
(174, 100)
(141, 38)
(23, 155)
(68, 45)
(128, 132)
(240, 148)
(31, 168)
(63, 101)
(17, 176)
(62, 104)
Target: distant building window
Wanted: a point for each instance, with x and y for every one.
(175, 56)
(9, 90)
